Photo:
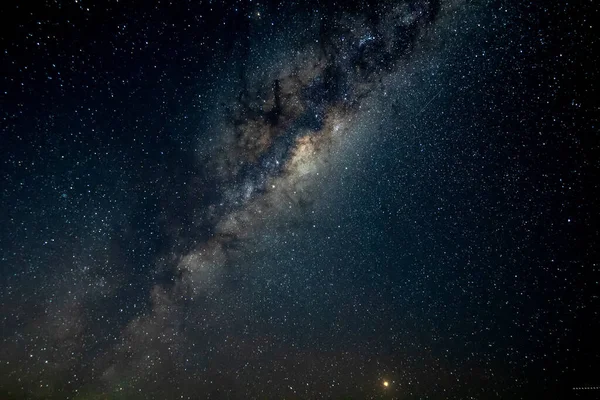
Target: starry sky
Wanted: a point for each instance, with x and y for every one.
(299, 200)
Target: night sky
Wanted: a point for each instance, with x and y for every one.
(299, 200)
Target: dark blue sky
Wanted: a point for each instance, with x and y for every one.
(294, 200)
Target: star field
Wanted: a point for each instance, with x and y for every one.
(247, 199)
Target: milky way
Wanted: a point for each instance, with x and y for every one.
(281, 133)
(296, 200)
(273, 139)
